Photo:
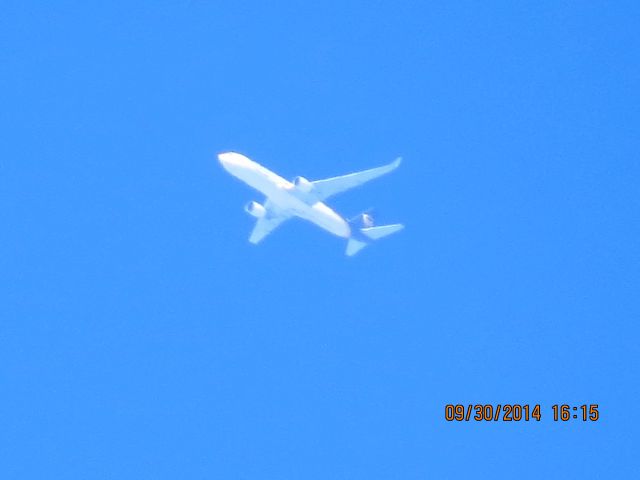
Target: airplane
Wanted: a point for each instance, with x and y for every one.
(305, 199)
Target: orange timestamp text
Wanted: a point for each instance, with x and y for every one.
(518, 412)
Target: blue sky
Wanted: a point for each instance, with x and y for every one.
(143, 337)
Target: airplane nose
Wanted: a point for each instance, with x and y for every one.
(232, 159)
(228, 160)
(225, 157)
(233, 162)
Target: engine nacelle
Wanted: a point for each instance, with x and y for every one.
(367, 220)
(303, 184)
(255, 209)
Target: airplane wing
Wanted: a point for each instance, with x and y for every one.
(273, 217)
(324, 189)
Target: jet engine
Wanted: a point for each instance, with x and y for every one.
(303, 184)
(255, 209)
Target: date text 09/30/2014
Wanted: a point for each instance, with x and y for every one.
(519, 412)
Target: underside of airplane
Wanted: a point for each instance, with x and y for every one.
(305, 199)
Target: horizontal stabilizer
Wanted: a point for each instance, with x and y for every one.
(354, 246)
(370, 233)
(375, 233)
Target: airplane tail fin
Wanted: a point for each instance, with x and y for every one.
(368, 234)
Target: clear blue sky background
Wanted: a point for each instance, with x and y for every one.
(141, 336)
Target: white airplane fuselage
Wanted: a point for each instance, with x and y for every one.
(284, 194)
